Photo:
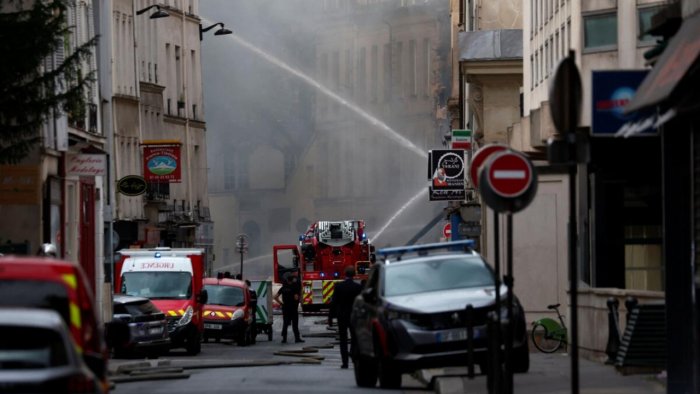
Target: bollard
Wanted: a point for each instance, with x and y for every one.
(630, 303)
(613, 331)
(470, 341)
(493, 374)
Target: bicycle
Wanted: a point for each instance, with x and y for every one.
(548, 335)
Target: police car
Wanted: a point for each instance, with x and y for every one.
(412, 313)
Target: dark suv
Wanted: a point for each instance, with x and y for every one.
(148, 327)
(412, 314)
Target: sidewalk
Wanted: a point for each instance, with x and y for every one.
(551, 374)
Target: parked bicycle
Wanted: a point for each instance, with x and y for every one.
(548, 335)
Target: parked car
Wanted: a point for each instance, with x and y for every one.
(38, 355)
(412, 314)
(148, 327)
(228, 313)
(48, 283)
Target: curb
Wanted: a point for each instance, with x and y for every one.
(143, 377)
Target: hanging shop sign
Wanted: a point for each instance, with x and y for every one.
(161, 163)
(446, 171)
(132, 185)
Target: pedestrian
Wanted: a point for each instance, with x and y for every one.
(253, 310)
(291, 294)
(341, 307)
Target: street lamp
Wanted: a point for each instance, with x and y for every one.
(220, 32)
(158, 14)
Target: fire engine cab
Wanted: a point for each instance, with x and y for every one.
(324, 250)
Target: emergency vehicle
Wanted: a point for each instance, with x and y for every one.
(172, 279)
(324, 250)
(41, 282)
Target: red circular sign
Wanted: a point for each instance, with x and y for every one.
(480, 158)
(509, 174)
(447, 230)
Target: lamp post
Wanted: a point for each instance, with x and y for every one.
(242, 248)
(222, 31)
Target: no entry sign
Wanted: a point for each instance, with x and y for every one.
(480, 158)
(510, 174)
(447, 230)
(508, 181)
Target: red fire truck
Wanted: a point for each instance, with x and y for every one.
(324, 250)
(172, 279)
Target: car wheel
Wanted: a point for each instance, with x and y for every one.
(193, 345)
(389, 377)
(521, 359)
(365, 371)
(269, 333)
(205, 339)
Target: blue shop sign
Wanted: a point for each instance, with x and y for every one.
(612, 90)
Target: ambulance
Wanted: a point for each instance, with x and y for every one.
(172, 279)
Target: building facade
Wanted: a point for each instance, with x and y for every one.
(157, 118)
(56, 194)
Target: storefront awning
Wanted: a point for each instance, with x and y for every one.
(681, 53)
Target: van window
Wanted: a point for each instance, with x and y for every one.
(36, 294)
(225, 295)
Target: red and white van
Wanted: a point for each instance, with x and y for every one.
(228, 313)
(172, 279)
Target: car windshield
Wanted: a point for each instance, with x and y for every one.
(36, 294)
(158, 285)
(433, 274)
(31, 348)
(224, 295)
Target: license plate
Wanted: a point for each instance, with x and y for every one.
(459, 334)
(213, 326)
(155, 330)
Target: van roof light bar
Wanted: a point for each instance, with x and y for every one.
(465, 244)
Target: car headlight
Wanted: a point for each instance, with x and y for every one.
(237, 314)
(187, 317)
(396, 315)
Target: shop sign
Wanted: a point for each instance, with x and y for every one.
(161, 163)
(612, 91)
(131, 185)
(82, 164)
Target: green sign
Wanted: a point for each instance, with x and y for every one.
(131, 185)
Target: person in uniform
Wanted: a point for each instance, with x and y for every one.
(290, 292)
(341, 307)
(253, 309)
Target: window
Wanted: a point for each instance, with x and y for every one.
(644, 24)
(374, 72)
(399, 61)
(412, 67)
(426, 51)
(537, 68)
(600, 31)
(387, 72)
(532, 72)
(362, 73)
(348, 72)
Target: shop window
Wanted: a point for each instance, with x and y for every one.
(644, 23)
(600, 32)
(644, 269)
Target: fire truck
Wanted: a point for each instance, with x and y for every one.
(320, 258)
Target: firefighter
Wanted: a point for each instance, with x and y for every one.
(341, 307)
(291, 294)
(253, 309)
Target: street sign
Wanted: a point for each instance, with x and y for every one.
(508, 181)
(480, 158)
(565, 95)
(509, 174)
(447, 230)
(462, 139)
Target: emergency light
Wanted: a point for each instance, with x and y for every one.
(157, 255)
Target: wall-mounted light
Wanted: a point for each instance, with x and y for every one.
(222, 31)
(158, 14)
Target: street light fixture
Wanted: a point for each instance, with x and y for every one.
(158, 14)
(220, 32)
